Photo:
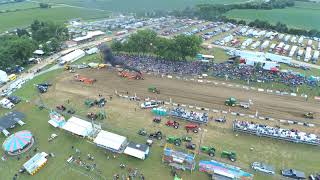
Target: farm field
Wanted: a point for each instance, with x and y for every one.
(303, 15)
(125, 120)
(12, 20)
(139, 5)
(20, 5)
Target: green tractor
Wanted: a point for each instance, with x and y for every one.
(174, 140)
(231, 101)
(186, 138)
(154, 90)
(101, 115)
(89, 103)
(309, 115)
(208, 150)
(230, 155)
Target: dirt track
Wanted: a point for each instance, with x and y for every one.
(203, 95)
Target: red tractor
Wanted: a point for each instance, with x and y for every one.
(192, 127)
(61, 108)
(157, 119)
(174, 124)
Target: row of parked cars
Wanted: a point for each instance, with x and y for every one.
(290, 173)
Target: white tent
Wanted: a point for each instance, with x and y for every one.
(111, 141)
(78, 126)
(38, 52)
(73, 56)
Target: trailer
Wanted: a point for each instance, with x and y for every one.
(280, 46)
(268, 34)
(286, 39)
(292, 51)
(255, 45)
(300, 41)
(286, 49)
(294, 39)
(264, 45)
(319, 45)
(315, 56)
(307, 56)
(246, 43)
(249, 32)
(272, 46)
(309, 42)
(300, 53)
(280, 37)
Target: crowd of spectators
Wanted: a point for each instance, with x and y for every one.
(228, 70)
(192, 116)
(276, 132)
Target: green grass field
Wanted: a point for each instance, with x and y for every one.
(303, 15)
(21, 5)
(13, 20)
(139, 5)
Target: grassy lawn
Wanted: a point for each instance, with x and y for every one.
(123, 119)
(13, 20)
(303, 15)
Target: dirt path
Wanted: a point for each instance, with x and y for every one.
(203, 95)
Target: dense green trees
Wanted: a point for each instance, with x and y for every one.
(15, 50)
(147, 41)
(43, 31)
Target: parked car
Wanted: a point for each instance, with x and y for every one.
(258, 166)
(292, 173)
(14, 99)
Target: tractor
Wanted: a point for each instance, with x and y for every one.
(142, 132)
(101, 115)
(192, 127)
(71, 111)
(157, 119)
(191, 146)
(89, 103)
(211, 151)
(154, 90)
(230, 155)
(231, 101)
(186, 138)
(174, 140)
(61, 108)
(92, 116)
(100, 102)
(309, 115)
(222, 120)
(156, 135)
(174, 124)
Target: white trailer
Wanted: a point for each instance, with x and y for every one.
(255, 45)
(294, 39)
(307, 56)
(319, 46)
(267, 35)
(272, 46)
(286, 39)
(300, 53)
(300, 40)
(261, 33)
(265, 44)
(292, 51)
(315, 56)
(280, 46)
(249, 32)
(281, 36)
(246, 43)
(309, 42)
(227, 39)
(243, 30)
(286, 49)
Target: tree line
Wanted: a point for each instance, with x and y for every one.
(16, 49)
(148, 42)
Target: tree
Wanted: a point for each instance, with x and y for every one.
(116, 46)
(187, 45)
(43, 31)
(22, 32)
(141, 42)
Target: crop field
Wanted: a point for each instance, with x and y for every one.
(124, 118)
(139, 5)
(13, 20)
(303, 15)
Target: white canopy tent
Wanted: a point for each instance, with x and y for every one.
(79, 127)
(111, 141)
(140, 151)
(72, 56)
